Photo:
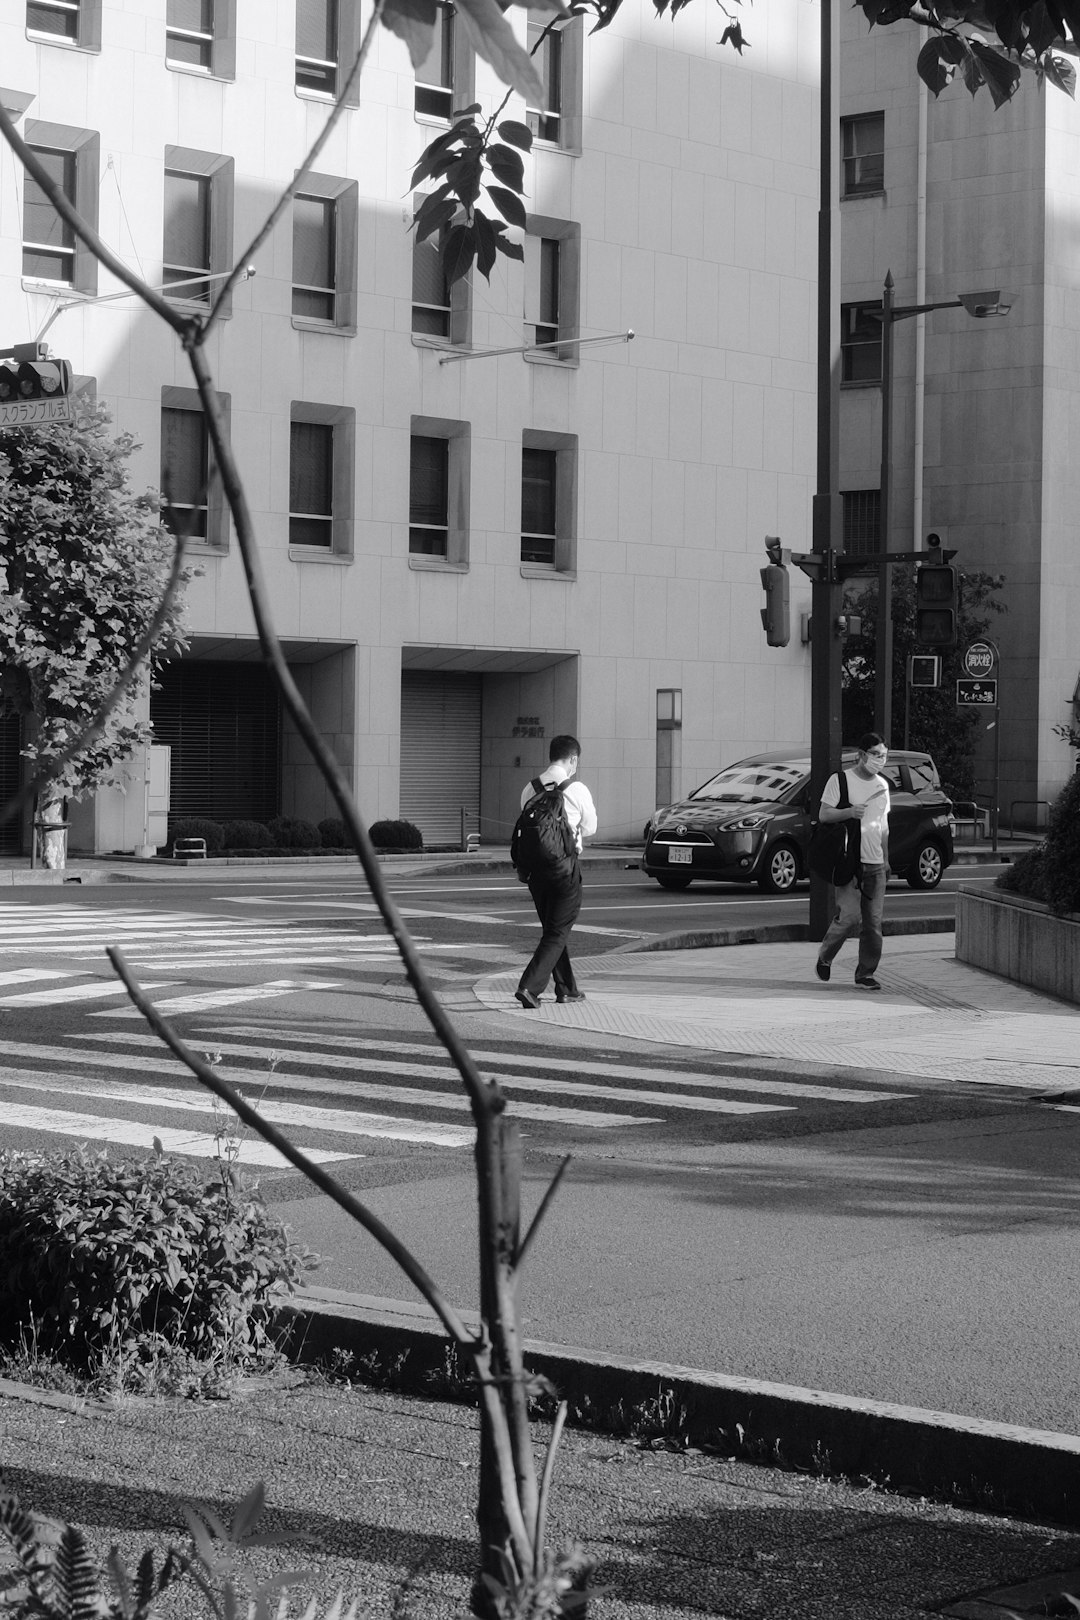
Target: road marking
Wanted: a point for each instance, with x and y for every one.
(26, 975)
(372, 1091)
(75, 992)
(343, 1122)
(205, 1001)
(618, 1071)
(133, 1133)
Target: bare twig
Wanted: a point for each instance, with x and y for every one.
(534, 1224)
(545, 1480)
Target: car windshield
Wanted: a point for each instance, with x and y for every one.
(753, 784)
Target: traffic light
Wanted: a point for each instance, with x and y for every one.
(775, 615)
(937, 599)
(33, 379)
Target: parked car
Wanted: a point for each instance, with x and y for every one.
(753, 821)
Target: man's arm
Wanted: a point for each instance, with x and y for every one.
(834, 812)
(584, 801)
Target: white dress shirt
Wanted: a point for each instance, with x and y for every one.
(580, 810)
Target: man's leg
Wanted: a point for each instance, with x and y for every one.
(872, 910)
(557, 905)
(846, 922)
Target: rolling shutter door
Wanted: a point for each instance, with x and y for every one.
(223, 724)
(440, 752)
(10, 780)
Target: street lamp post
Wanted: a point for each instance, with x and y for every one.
(980, 305)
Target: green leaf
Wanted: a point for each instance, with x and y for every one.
(516, 134)
(464, 177)
(1000, 75)
(486, 248)
(510, 249)
(414, 22)
(510, 207)
(938, 60)
(1061, 72)
(458, 252)
(491, 37)
(504, 162)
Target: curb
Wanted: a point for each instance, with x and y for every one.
(771, 934)
(967, 1462)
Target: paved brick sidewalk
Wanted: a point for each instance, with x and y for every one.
(936, 1017)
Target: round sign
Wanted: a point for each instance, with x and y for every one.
(980, 658)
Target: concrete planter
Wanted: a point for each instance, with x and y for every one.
(1020, 940)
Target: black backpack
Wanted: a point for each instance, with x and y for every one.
(542, 841)
(834, 845)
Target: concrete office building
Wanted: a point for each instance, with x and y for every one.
(953, 196)
(466, 553)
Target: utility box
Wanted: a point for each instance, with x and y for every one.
(158, 788)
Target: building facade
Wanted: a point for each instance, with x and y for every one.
(954, 197)
(465, 552)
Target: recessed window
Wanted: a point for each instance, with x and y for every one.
(192, 499)
(545, 48)
(539, 490)
(552, 278)
(51, 251)
(48, 239)
(548, 501)
(429, 495)
(197, 245)
(435, 75)
(430, 289)
(65, 22)
(321, 455)
(327, 41)
(314, 257)
(189, 33)
(860, 342)
(311, 484)
(862, 145)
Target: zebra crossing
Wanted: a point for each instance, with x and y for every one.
(342, 1091)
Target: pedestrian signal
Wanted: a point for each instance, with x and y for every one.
(33, 379)
(937, 592)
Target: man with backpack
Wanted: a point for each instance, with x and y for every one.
(861, 799)
(556, 814)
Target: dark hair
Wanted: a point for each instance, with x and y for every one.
(870, 739)
(562, 747)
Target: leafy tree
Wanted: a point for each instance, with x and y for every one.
(936, 724)
(87, 563)
(989, 45)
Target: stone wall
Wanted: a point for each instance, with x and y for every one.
(1020, 940)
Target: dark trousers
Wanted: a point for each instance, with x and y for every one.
(558, 902)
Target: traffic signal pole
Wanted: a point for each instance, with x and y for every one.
(827, 526)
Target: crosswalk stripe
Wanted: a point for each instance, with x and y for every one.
(343, 1122)
(545, 1083)
(209, 999)
(72, 992)
(618, 1071)
(133, 1133)
(27, 975)
(448, 1102)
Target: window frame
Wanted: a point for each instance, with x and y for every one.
(216, 539)
(84, 145)
(344, 195)
(459, 307)
(851, 345)
(458, 436)
(347, 46)
(87, 34)
(570, 38)
(850, 160)
(564, 552)
(341, 419)
(221, 39)
(217, 171)
(567, 233)
(462, 73)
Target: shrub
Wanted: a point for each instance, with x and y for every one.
(1051, 871)
(98, 1254)
(395, 835)
(245, 835)
(292, 833)
(197, 827)
(333, 834)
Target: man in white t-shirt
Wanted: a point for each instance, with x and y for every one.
(860, 903)
(557, 898)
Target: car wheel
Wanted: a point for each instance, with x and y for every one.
(781, 870)
(928, 868)
(672, 880)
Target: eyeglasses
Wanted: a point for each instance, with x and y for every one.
(876, 753)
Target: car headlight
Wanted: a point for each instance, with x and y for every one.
(745, 823)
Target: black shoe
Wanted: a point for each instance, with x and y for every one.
(527, 999)
(569, 995)
(823, 971)
(869, 983)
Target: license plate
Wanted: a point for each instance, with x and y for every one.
(680, 857)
